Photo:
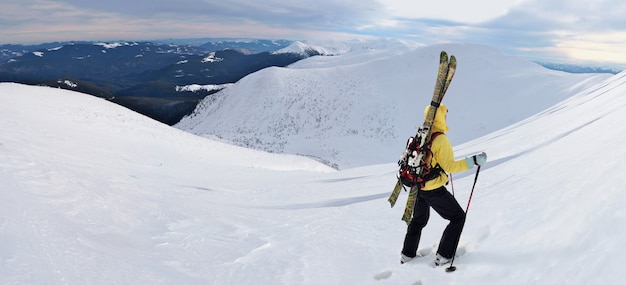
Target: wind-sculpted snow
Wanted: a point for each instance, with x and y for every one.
(301, 118)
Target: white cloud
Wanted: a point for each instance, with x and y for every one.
(607, 47)
(476, 11)
(550, 28)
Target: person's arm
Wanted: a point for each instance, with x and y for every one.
(442, 150)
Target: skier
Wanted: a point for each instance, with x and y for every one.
(433, 193)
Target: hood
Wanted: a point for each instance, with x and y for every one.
(439, 125)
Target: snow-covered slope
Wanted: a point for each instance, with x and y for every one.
(364, 103)
(302, 48)
(91, 193)
(552, 204)
(89, 190)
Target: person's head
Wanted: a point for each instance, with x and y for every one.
(439, 124)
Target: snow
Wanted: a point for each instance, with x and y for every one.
(302, 48)
(359, 108)
(359, 46)
(114, 45)
(198, 87)
(93, 193)
(67, 82)
(211, 58)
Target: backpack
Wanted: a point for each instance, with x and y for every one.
(408, 174)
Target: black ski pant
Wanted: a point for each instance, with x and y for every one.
(448, 208)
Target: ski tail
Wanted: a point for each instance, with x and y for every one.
(395, 193)
(410, 204)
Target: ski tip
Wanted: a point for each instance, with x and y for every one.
(443, 57)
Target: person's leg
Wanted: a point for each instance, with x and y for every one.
(448, 208)
(419, 220)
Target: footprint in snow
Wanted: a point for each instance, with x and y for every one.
(421, 253)
(426, 251)
(383, 275)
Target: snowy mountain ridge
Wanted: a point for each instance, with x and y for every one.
(316, 106)
(302, 48)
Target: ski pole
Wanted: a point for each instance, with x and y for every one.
(452, 184)
(453, 268)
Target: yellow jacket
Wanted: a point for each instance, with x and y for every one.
(442, 151)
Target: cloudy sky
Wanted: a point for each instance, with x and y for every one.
(574, 31)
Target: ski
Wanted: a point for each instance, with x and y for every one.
(395, 193)
(441, 79)
(450, 74)
(447, 68)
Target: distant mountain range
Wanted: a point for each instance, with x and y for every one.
(152, 77)
(247, 46)
(572, 68)
(144, 76)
